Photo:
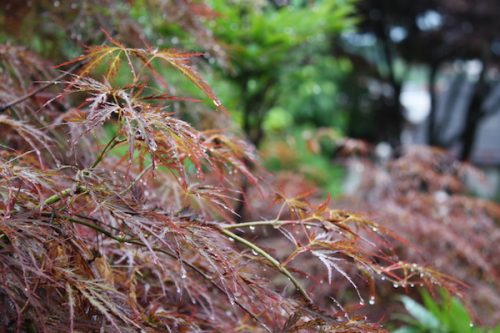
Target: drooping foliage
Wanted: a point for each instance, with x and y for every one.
(425, 200)
(116, 215)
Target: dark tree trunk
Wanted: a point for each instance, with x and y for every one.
(390, 112)
(390, 119)
(470, 130)
(474, 115)
(449, 107)
(254, 107)
(431, 131)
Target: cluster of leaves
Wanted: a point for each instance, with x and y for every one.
(97, 238)
(425, 200)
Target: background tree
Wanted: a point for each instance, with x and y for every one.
(395, 35)
(266, 45)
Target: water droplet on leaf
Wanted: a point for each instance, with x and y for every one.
(183, 273)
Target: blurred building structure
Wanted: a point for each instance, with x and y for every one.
(453, 97)
(427, 72)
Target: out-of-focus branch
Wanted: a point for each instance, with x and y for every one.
(39, 89)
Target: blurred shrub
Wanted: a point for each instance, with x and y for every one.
(422, 197)
(447, 316)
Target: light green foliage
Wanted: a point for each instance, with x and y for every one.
(278, 119)
(449, 316)
(311, 93)
(280, 58)
(260, 36)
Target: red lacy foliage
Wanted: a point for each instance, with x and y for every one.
(137, 231)
(422, 197)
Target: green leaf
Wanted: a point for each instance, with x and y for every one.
(407, 329)
(424, 317)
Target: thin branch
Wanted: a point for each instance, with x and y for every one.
(111, 144)
(271, 259)
(272, 223)
(139, 176)
(65, 193)
(80, 188)
(39, 89)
